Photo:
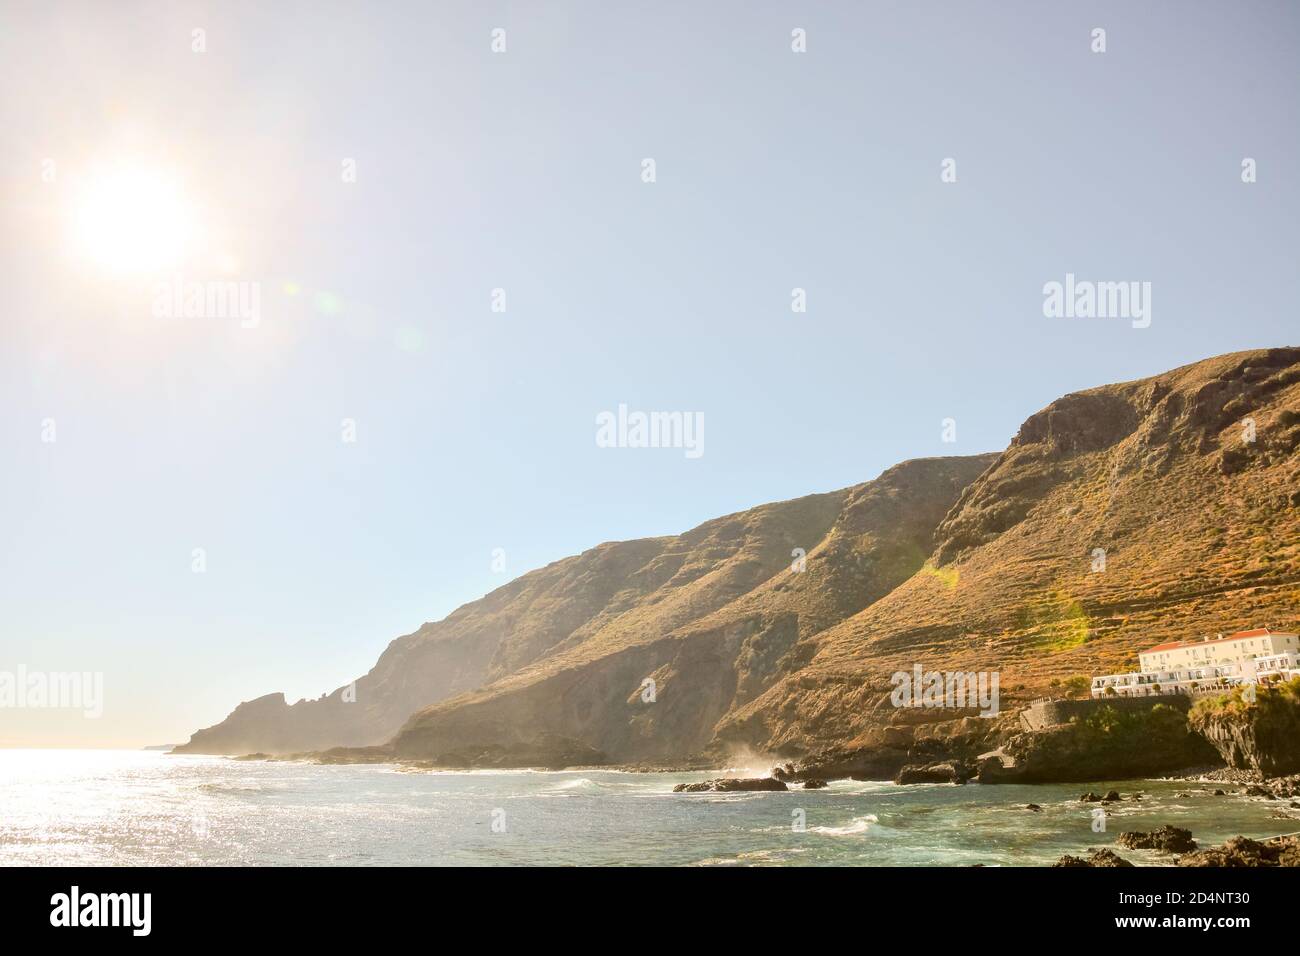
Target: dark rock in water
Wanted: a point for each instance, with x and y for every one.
(1258, 791)
(1089, 797)
(861, 763)
(783, 773)
(344, 755)
(964, 770)
(1166, 838)
(947, 754)
(814, 784)
(731, 785)
(1286, 786)
(1111, 796)
(1098, 858)
(947, 772)
(1220, 793)
(1107, 858)
(1242, 851)
(1033, 806)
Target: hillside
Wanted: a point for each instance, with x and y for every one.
(706, 665)
(625, 595)
(1200, 532)
(981, 563)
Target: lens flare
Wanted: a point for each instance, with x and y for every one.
(132, 221)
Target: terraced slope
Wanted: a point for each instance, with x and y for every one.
(1200, 529)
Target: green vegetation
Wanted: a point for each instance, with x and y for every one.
(1110, 732)
(1270, 704)
(947, 577)
(1110, 724)
(1254, 727)
(1110, 743)
(1057, 621)
(1077, 686)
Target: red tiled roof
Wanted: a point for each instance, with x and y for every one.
(1240, 635)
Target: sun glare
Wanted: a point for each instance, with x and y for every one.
(132, 221)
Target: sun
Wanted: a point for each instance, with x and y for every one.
(132, 220)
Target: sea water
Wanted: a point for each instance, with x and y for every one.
(123, 808)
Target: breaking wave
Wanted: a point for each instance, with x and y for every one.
(852, 828)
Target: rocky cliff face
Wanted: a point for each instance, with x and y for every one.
(1108, 744)
(718, 609)
(1116, 517)
(653, 686)
(1261, 735)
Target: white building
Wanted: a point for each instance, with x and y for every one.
(1179, 655)
(1211, 665)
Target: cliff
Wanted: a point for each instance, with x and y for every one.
(1261, 735)
(627, 611)
(1107, 744)
(1117, 516)
(652, 685)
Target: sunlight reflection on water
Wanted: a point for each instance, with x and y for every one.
(122, 807)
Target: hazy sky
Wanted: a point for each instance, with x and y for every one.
(522, 171)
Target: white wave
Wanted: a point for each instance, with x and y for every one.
(855, 826)
(853, 788)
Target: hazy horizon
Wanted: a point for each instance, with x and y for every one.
(473, 171)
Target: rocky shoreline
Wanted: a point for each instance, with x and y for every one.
(866, 764)
(1240, 851)
(1094, 742)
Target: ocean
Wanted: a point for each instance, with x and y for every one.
(100, 808)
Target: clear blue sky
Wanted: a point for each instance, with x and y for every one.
(474, 170)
